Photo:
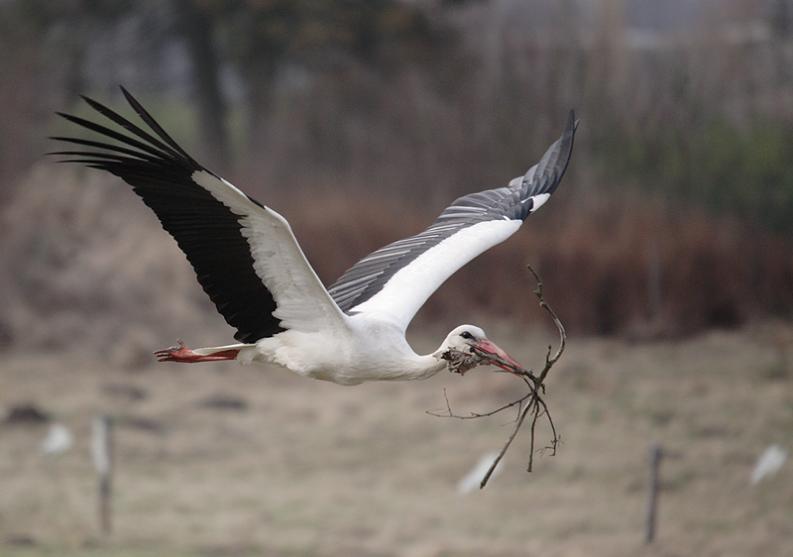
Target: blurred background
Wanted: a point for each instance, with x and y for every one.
(666, 252)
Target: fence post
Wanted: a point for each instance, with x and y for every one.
(656, 454)
(102, 452)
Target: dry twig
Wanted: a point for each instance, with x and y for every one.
(530, 403)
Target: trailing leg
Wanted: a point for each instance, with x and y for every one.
(182, 354)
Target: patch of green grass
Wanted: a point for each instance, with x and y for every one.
(739, 170)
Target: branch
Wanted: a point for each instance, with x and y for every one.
(531, 402)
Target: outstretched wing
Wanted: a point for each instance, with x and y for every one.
(244, 254)
(395, 281)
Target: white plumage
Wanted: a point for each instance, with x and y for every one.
(768, 463)
(411, 286)
(58, 440)
(473, 479)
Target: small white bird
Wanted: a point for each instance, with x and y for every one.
(58, 440)
(768, 463)
(473, 479)
(251, 266)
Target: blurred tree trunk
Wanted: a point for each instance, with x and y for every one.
(260, 94)
(196, 27)
(74, 50)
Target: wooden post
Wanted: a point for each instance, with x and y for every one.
(656, 454)
(102, 452)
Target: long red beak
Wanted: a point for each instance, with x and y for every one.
(491, 348)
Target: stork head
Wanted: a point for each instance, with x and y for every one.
(467, 346)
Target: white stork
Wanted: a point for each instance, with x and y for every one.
(248, 261)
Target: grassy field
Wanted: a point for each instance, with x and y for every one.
(310, 468)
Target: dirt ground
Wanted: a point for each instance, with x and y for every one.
(222, 460)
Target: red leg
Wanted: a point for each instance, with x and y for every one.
(182, 354)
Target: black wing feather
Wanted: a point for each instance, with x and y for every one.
(160, 172)
(106, 146)
(152, 123)
(130, 127)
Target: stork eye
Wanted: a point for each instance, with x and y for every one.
(466, 335)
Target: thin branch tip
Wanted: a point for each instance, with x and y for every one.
(531, 402)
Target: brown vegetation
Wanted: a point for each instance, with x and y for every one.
(89, 261)
(605, 259)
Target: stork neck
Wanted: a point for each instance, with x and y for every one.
(425, 367)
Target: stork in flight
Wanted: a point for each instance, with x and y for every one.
(248, 261)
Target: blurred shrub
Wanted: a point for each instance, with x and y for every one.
(88, 267)
(745, 171)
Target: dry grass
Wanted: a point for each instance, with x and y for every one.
(315, 469)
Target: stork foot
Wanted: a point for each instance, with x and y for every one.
(178, 353)
(182, 354)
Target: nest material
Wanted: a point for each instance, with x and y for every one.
(460, 362)
(530, 403)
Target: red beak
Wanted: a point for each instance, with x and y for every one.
(487, 347)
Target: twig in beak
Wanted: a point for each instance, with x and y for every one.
(530, 403)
